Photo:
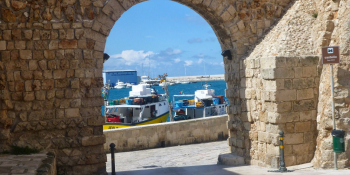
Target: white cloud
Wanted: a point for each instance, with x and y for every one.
(217, 63)
(188, 63)
(130, 57)
(194, 40)
(200, 61)
(173, 51)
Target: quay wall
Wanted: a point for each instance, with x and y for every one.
(167, 134)
(197, 78)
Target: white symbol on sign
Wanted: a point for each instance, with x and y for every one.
(330, 50)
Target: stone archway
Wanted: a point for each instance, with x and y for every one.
(51, 69)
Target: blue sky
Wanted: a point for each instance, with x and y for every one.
(165, 37)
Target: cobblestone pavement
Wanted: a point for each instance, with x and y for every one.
(194, 159)
(20, 164)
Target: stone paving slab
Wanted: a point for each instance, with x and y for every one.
(195, 159)
(21, 164)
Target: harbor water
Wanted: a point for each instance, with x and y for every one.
(177, 89)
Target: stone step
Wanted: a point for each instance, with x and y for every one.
(230, 159)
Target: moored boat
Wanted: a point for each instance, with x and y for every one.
(120, 85)
(129, 85)
(142, 107)
(204, 104)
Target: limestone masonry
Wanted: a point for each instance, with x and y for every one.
(51, 61)
(167, 134)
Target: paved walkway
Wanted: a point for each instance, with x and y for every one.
(195, 159)
(21, 164)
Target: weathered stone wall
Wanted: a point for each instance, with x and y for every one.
(51, 59)
(278, 91)
(51, 68)
(167, 134)
(334, 27)
(283, 96)
(307, 26)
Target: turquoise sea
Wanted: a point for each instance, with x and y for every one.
(218, 86)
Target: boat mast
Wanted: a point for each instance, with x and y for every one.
(149, 66)
(166, 90)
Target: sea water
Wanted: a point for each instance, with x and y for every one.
(177, 89)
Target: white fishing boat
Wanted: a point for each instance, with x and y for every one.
(164, 83)
(146, 84)
(203, 104)
(129, 85)
(120, 85)
(184, 82)
(141, 107)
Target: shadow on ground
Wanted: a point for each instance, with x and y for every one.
(187, 170)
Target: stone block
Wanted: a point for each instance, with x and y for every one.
(301, 149)
(273, 62)
(268, 74)
(284, 72)
(303, 126)
(230, 159)
(290, 160)
(61, 83)
(72, 112)
(68, 44)
(283, 95)
(305, 94)
(40, 95)
(272, 150)
(277, 106)
(21, 45)
(93, 140)
(310, 71)
(28, 96)
(241, 25)
(49, 54)
(33, 65)
(262, 136)
(59, 74)
(28, 85)
(304, 105)
(298, 72)
(47, 84)
(27, 75)
(294, 138)
(309, 60)
(25, 54)
(306, 116)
